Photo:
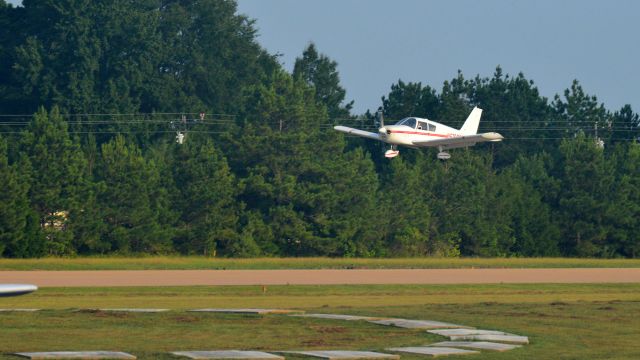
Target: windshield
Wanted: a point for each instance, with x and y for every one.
(410, 122)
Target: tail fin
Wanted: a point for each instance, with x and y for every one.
(470, 126)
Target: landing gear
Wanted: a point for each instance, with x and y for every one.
(180, 137)
(391, 153)
(443, 155)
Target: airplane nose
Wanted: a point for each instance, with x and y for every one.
(383, 131)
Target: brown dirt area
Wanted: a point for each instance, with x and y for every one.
(100, 278)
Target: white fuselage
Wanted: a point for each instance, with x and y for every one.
(405, 132)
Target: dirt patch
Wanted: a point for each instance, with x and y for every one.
(329, 329)
(105, 314)
(558, 303)
(314, 342)
(186, 319)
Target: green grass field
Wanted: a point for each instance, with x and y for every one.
(598, 321)
(192, 263)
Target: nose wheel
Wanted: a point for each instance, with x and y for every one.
(443, 155)
(391, 153)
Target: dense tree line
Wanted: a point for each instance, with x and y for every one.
(262, 173)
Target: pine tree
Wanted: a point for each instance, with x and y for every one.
(411, 99)
(623, 210)
(58, 171)
(206, 202)
(320, 72)
(465, 205)
(587, 180)
(19, 235)
(406, 211)
(127, 183)
(528, 217)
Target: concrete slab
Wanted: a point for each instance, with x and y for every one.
(514, 339)
(345, 354)
(458, 332)
(480, 345)
(228, 354)
(338, 317)
(77, 355)
(19, 310)
(416, 324)
(249, 311)
(136, 310)
(434, 351)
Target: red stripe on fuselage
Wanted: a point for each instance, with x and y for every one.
(422, 133)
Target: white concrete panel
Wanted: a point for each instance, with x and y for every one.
(479, 345)
(338, 317)
(433, 351)
(248, 311)
(345, 354)
(515, 339)
(458, 332)
(136, 310)
(228, 354)
(416, 324)
(76, 355)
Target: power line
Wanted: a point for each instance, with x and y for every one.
(122, 114)
(231, 117)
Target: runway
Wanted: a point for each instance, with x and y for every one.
(100, 278)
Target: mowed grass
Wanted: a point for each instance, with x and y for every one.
(583, 321)
(195, 262)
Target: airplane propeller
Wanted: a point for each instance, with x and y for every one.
(380, 118)
(393, 152)
(380, 122)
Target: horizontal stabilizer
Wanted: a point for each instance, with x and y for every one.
(356, 132)
(465, 140)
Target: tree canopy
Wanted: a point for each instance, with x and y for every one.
(93, 167)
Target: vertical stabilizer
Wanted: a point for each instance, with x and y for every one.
(470, 126)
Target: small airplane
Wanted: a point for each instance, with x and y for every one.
(416, 132)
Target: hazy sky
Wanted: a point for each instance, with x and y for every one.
(377, 42)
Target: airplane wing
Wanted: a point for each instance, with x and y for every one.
(362, 133)
(465, 140)
(16, 289)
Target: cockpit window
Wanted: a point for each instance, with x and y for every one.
(410, 122)
(423, 125)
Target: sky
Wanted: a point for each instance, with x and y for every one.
(378, 42)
